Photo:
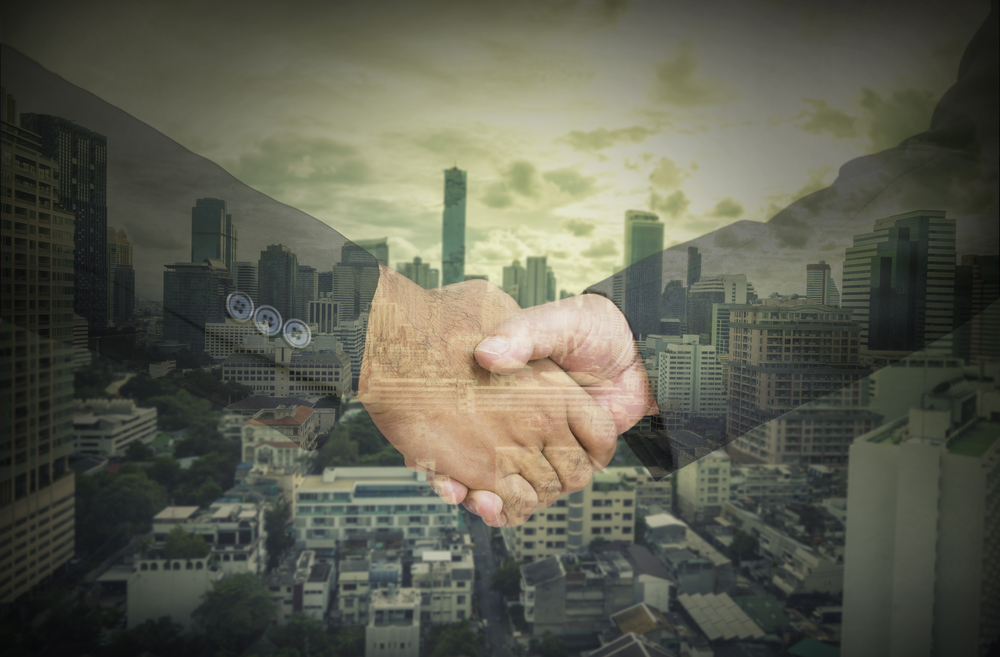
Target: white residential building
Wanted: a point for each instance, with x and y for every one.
(446, 584)
(169, 587)
(703, 487)
(922, 566)
(369, 504)
(769, 483)
(648, 491)
(690, 373)
(301, 584)
(274, 438)
(394, 628)
(274, 371)
(353, 592)
(235, 533)
(605, 509)
(106, 427)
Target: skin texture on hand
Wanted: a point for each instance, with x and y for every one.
(521, 438)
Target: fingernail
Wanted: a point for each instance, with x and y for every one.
(493, 346)
(472, 506)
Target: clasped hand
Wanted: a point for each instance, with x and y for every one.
(506, 410)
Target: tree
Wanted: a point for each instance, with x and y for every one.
(138, 451)
(744, 546)
(161, 636)
(548, 646)
(506, 579)
(596, 542)
(165, 471)
(348, 642)
(179, 544)
(235, 612)
(279, 541)
(455, 639)
(304, 634)
(115, 505)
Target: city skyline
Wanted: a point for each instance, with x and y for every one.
(657, 125)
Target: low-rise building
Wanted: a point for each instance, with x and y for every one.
(648, 491)
(446, 584)
(769, 483)
(106, 427)
(301, 584)
(353, 592)
(578, 598)
(235, 532)
(394, 628)
(169, 587)
(279, 438)
(272, 371)
(363, 506)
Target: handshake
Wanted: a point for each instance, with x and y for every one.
(506, 410)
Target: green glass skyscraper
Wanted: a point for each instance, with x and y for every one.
(453, 227)
(643, 271)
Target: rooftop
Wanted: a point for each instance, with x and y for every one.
(719, 617)
(975, 440)
(541, 571)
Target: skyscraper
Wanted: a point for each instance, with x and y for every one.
(643, 271)
(551, 284)
(308, 290)
(899, 281)
(121, 288)
(81, 158)
(212, 232)
(453, 227)
(725, 289)
(37, 486)
(820, 287)
(278, 280)
(378, 247)
(694, 266)
(536, 282)
(194, 294)
(245, 278)
(419, 272)
(515, 281)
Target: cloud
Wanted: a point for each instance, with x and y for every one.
(522, 177)
(677, 82)
(286, 161)
(577, 227)
(570, 181)
(674, 204)
(497, 196)
(727, 207)
(824, 119)
(602, 138)
(611, 11)
(452, 142)
(601, 249)
(901, 115)
(667, 175)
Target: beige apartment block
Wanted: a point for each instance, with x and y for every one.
(703, 487)
(604, 509)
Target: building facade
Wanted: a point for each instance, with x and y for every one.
(703, 487)
(691, 374)
(212, 233)
(106, 427)
(453, 227)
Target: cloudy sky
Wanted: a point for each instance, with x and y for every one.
(565, 114)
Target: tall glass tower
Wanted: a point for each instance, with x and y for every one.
(643, 271)
(212, 232)
(453, 228)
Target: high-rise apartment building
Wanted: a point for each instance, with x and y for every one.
(921, 566)
(420, 273)
(899, 281)
(536, 282)
(550, 284)
(694, 266)
(81, 157)
(212, 232)
(784, 353)
(123, 283)
(977, 310)
(703, 487)
(453, 227)
(728, 289)
(690, 374)
(820, 287)
(194, 294)
(605, 508)
(643, 271)
(674, 301)
(245, 278)
(37, 486)
(278, 280)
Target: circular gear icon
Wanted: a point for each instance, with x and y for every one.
(267, 319)
(239, 305)
(297, 333)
